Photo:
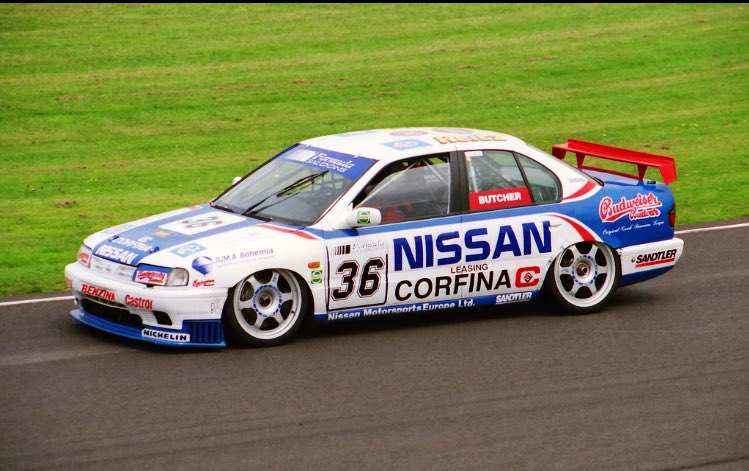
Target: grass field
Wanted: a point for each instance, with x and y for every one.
(113, 112)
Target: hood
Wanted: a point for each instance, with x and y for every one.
(170, 238)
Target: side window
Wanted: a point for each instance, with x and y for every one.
(543, 184)
(495, 181)
(414, 188)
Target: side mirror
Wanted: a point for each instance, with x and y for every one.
(363, 217)
(236, 180)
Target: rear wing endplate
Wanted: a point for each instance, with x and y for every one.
(643, 160)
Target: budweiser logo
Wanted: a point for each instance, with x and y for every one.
(639, 207)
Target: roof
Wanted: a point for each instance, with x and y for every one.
(389, 144)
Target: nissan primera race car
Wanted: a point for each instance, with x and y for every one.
(379, 223)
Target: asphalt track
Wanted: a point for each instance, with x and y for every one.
(660, 380)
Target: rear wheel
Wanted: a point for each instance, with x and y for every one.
(265, 309)
(584, 277)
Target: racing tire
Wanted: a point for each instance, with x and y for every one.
(584, 277)
(265, 309)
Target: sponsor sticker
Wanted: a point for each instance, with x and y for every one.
(363, 217)
(503, 198)
(140, 245)
(343, 164)
(202, 223)
(187, 250)
(151, 275)
(206, 283)
(453, 130)
(227, 258)
(100, 293)
(429, 306)
(406, 144)
(469, 138)
(167, 336)
(138, 302)
(203, 265)
(469, 268)
(216, 308)
(475, 245)
(640, 207)
(116, 254)
(356, 133)
(467, 281)
(408, 132)
(358, 247)
(513, 297)
(409, 308)
(527, 277)
(654, 258)
(316, 277)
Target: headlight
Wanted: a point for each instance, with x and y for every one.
(84, 256)
(160, 276)
(178, 277)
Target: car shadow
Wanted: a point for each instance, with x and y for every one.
(361, 326)
(91, 333)
(628, 298)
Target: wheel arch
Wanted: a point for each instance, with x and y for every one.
(306, 307)
(551, 288)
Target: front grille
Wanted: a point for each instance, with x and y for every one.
(120, 315)
(113, 270)
(94, 299)
(205, 331)
(162, 318)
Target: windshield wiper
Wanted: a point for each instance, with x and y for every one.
(287, 190)
(222, 208)
(297, 184)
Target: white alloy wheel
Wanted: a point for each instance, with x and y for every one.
(585, 276)
(266, 308)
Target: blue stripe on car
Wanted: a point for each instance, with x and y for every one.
(133, 255)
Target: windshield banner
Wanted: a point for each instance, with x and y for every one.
(343, 164)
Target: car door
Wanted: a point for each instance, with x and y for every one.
(508, 230)
(397, 262)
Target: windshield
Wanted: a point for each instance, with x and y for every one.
(295, 187)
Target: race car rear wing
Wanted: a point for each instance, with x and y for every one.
(643, 160)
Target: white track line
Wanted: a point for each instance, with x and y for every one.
(34, 301)
(70, 298)
(716, 228)
(30, 358)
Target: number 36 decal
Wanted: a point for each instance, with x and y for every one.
(366, 284)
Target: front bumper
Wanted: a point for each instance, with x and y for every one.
(185, 316)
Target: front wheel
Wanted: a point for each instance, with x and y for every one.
(584, 277)
(265, 309)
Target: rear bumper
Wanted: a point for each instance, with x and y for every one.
(645, 261)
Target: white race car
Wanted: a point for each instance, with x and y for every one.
(376, 223)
